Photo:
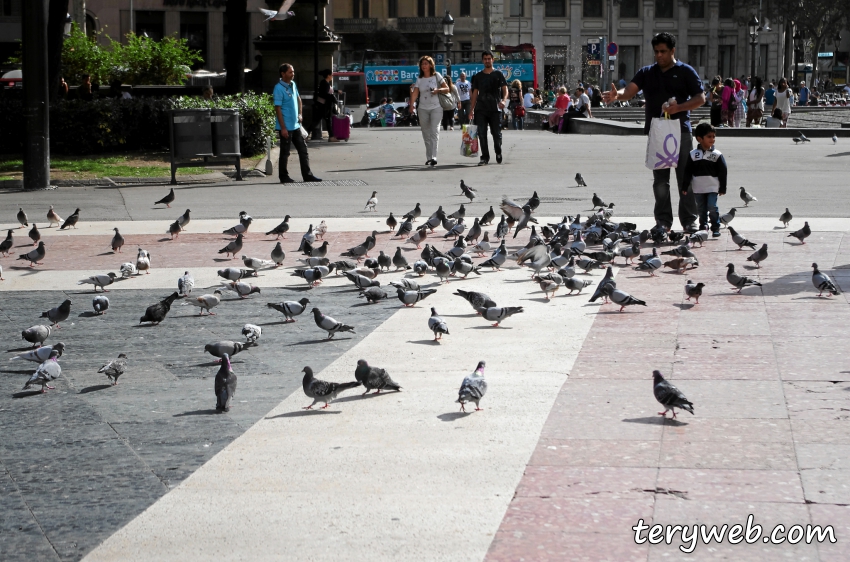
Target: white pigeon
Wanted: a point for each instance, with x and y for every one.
(185, 284)
(834, 139)
(143, 261)
(252, 332)
(321, 230)
(40, 354)
(54, 218)
(128, 269)
(372, 203)
(48, 371)
(282, 14)
(256, 263)
(205, 302)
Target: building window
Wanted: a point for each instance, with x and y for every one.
(392, 8)
(592, 9)
(696, 9)
(193, 28)
(355, 8)
(516, 8)
(421, 8)
(360, 8)
(7, 7)
(726, 62)
(432, 8)
(761, 64)
(696, 58)
(465, 8)
(727, 9)
(465, 52)
(152, 23)
(663, 8)
(630, 8)
(556, 8)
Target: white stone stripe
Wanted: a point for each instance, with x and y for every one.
(395, 476)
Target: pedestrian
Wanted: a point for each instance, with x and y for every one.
(666, 79)
(489, 96)
(770, 94)
(515, 98)
(741, 104)
(528, 99)
(449, 114)
(705, 176)
(85, 91)
(716, 110)
(582, 105)
(519, 117)
(288, 109)
(390, 113)
(562, 105)
(63, 88)
(324, 106)
(426, 90)
(206, 92)
(803, 98)
(782, 102)
(463, 90)
(755, 102)
(728, 104)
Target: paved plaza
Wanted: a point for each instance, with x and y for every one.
(568, 454)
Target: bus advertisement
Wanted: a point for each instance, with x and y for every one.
(395, 75)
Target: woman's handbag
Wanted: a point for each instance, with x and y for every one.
(447, 102)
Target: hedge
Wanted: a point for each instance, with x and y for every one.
(110, 125)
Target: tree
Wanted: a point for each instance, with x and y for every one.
(237, 37)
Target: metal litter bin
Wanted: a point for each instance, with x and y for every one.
(226, 130)
(191, 133)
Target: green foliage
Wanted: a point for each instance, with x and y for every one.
(82, 54)
(255, 111)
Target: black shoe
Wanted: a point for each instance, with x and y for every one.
(311, 179)
(499, 158)
(690, 229)
(433, 162)
(428, 163)
(483, 162)
(287, 179)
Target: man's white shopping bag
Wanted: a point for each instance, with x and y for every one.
(662, 147)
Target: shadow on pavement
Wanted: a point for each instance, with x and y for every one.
(300, 413)
(199, 413)
(656, 420)
(94, 388)
(453, 416)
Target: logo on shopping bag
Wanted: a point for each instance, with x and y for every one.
(669, 159)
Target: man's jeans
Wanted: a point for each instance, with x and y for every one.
(518, 123)
(661, 187)
(297, 139)
(493, 120)
(463, 114)
(707, 207)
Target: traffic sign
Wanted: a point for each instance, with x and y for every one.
(592, 48)
(594, 62)
(613, 49)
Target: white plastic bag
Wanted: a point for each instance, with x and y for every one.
(662, 147)
(469, 141)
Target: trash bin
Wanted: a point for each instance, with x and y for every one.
(191, 133)
(226, 130)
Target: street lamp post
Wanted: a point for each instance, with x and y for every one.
(753, 28)
(448, 33)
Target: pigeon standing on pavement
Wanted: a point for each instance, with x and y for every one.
(233, 247)
(580, 180)
(185, 284)
(624, 299)
(252, 333)
(476, 299)
(117, 241)
(409, 298)
(499, 314)
(331, 326)
(727, 218)
(22, 218)
(802, 234)
(693, 290)
(53, 218)
(280, 229)
(488, 217)
(473, 388)
(225, 385)
(740, 240)
(576, 284)
(46, 372)
(128, 269)
(156, 313)
(100, 304)
(228, 347)
(322, 391)
(174, 229)
(598, 202)
(822, 282)
(607, 280)
(467, 191)
(114, 368)
(71, 220)
(34, 256)
(167, 200)
(143, 261)
(184, 219)
(58, 314)
(372, 203)
(669, 396)
(41, 354)
(759, 255)
(834, 139)
(738, 281)
(34, 234)
(785, 218)
(290, 309)
(241, 288)
(437, 325)
(6, 244)
(205, 302)
(374, 378)
(37, 334)
(101, 280)
(278, 255)
(747, 197)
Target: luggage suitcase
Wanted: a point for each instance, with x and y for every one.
(341, 127)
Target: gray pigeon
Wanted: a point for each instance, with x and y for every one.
(460, 213)
(322, 391)
(312, 275)
(473, 388)
(290, 309)
(398, 260)
(580, 180)
(185, 284)
(41, 354)
(409, 298)
(669, 396)
(747, 197)
(100, 304)
(727, 218)
(232, 248)
(114, 368)
(498, 259)
(469, 192)
(22, 218)
(174, 230)
(374, 378)
(205, 302)
(437, 325)
(373, 294)
(600, 291)
(498, 314)
(256, 263)
(740, 240)
(476, 299)
(650, 265)
(222, 348)
(598, 202)
(759, 255)
(280, 229)
(37, 334)
(235, 273)
(100, 280)
(406, 284)
(785, 218)
(822, 282)
(117, 241)
(502, 228)
(443, 269)
(34, 234)
(34, 256)
(72, 220)
(330, 325)
(372, 203)
(184, 219)
(225, 385)
(167, 200)
(800, 235)
(624, 299)
(6, 244)
(58, 314)
(252, 333)
(576, 284)
(738, 281)
(361, 281)
(693, 290)
(46, 372)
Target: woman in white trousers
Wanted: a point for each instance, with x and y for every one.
(426, 89)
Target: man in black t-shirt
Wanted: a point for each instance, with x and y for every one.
(489, 95)
(668, 78)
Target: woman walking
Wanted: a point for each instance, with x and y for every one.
(782, 101)
(449, 114)
(741, 108)
(426, 89)
(755, 102)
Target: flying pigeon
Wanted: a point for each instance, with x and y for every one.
(37, 334)
(746, 197)
(114, 368)
(143, 261)
(738, 281)
(802, 234)
(252, 333)
(41, 354)
(100, 280)
(822, 282)
(280, 229)
(468, 192)
(117, 241)
(53, 218)
(290, 309)
(34, 256)
(330, 325)
(580, 180)
(473, 388)
(205, 302)
(100, 304)
(46, 372)
(156, 313)
(322, 391)
(225, 385)
(669, 396)
(58, 314)
(281, 14)
(785, 218)
(759, 255)
(740, 240)
(374, 378)
(693, 290)
(167, 200)
(71, 220)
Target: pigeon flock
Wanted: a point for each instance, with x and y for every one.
(559, 255)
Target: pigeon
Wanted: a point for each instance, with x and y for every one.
(184, 219)
(404, 229)
(290, 309)
(698, 237)
(372, 203)
(128, 270)
(321, 230)
(46, 372)
(384, 261)
(358, 252)
(580, 181)
(37, 334)
(797, 140)
(252, 333)
(114, 368)
(511, 208)
(569, 270)
(235, 273)
(624, 299)
(681, 251)
(53, 217)
(322, 391)
(22, 218)
(576, 284)
(100, 304)
(117, 241)
(409, 298)
(473, 388)
(460, 213)
(225, 347)
(482, 247)
(41, 354)
(415, 213)
(681, 264)
(502, 228)
(693, 290)
(143, 261)
(239, 229)
(280, 229)
(437, 325)
(759, 255)
(607, 280)
(7, 243)
(669, 396)
(488, 217)
(598, 202)
(34, 234)
(740, 240)
(225, 385)
(100, 280)
(650, 265)
(156, 313)
(747, 197)
(316, 262)
(185, 284)
(442, 267)
(547, 286)
(361, 281)
(834, 139)
(71, 220)
(587, 264)
(417, 237)
(242, 289)
(167, 200)
(174, 230)
(476, 299)
(533, 201)
(727, 218)
(278, 255)
(822, 282)
(468, 192)
(498, 314)
(33, 256)
(373, 294)
(374, 378)
(342, 266)
(523, 221)
(462, 267)
(282, 14)
(803, 137)
(398, 260)
(800, 235)
(330, 325)
(256, 263)
(233, 247)
(785, 218)
(738, 281)
(205, 302)
(420, 267)
(58, 314)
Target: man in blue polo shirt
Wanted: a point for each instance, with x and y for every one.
(287, 106)
(668, 78)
